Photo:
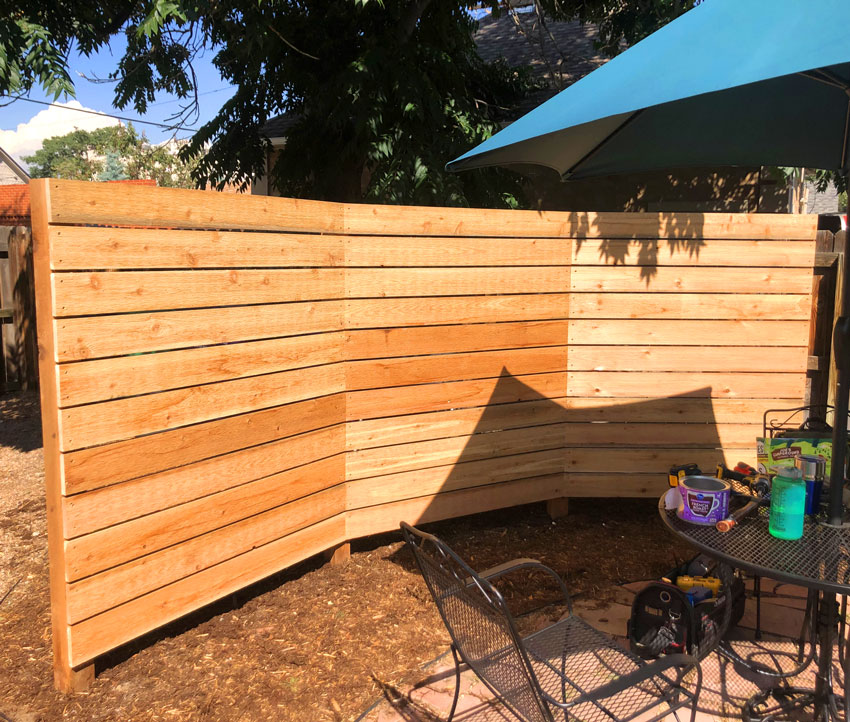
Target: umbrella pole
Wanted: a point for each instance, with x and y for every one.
(841, 349)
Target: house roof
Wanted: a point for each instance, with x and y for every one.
(14, 166)
(15, 202)
(558, 53)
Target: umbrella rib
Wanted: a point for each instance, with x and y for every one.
(601, 143)
(846, 134)
(824, 76)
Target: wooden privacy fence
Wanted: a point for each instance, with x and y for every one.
(233, 384)
(18, 354)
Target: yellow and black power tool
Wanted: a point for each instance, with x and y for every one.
(680, 472)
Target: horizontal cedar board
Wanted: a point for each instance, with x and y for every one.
(386, 282)
(115, 586)
(112, 378)
(409, 251)
(454, 394)
(380, 373)
(82, 426)
(80, 248)
(93, 510)
(441, 452)
(663, 279)
(309, 484)
(694, 252)
(105, 631)
(640, 332)
(381, 343)
(96, 337)
(453, 422)
(77, 202)
(737, 307)
(686, 358)
(108, 292)
(425, 482)
(413, 251)
(386, 517)
(714, 385)
(103, 465)
(438, 425)
(367, 313)
(459, 449)
(441, 479)
(416, 220)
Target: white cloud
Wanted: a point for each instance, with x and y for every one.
(55, 120)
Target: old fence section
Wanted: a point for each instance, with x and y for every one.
(18, 353)
(231, 385)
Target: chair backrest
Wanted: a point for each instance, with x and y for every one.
(480, 624)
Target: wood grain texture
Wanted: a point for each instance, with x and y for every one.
(693, 358)
(666, 279)
(93, 337)
(100, 592)
(80, 248)
(394, 313)
(459, 449)
(64, 676)
(112, 378)
(105, 292)
(124, 460)
(641, 332)
(132, 539)
(694, 252)
(103, 632)
(374, 403)
(380, 373)
(100, 508)
(406, 282)
(415, 220)
(413, 251)
(691, 306)
(714, 385)
(446, 505)
(77, 202)
(417, 341)
(92, 424)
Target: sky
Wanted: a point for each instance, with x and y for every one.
(24, 125)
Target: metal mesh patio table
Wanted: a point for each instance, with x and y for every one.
(819, 561)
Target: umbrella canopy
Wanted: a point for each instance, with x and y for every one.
(731, 82)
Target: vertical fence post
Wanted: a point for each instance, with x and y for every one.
(66, 677)
(8, 340)
(23, 307)
(822, 318)
(840, 248)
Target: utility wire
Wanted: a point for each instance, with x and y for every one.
(108, 115)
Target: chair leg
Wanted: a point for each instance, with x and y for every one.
(457, 684)
(697, 693)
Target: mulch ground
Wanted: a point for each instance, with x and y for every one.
(315, 642)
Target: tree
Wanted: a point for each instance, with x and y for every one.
(385, 91)
(112, 169)
(112, 153)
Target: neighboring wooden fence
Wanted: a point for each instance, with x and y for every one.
(233, 384)
(18, 353)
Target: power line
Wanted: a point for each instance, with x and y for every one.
(108, 115)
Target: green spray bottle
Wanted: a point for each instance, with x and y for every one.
(787, 503)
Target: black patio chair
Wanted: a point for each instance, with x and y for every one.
(569, 669)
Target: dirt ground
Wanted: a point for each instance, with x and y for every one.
(315, 642)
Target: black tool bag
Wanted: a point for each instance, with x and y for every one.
(663, 620)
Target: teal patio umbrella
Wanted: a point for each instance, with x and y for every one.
(731, 82)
